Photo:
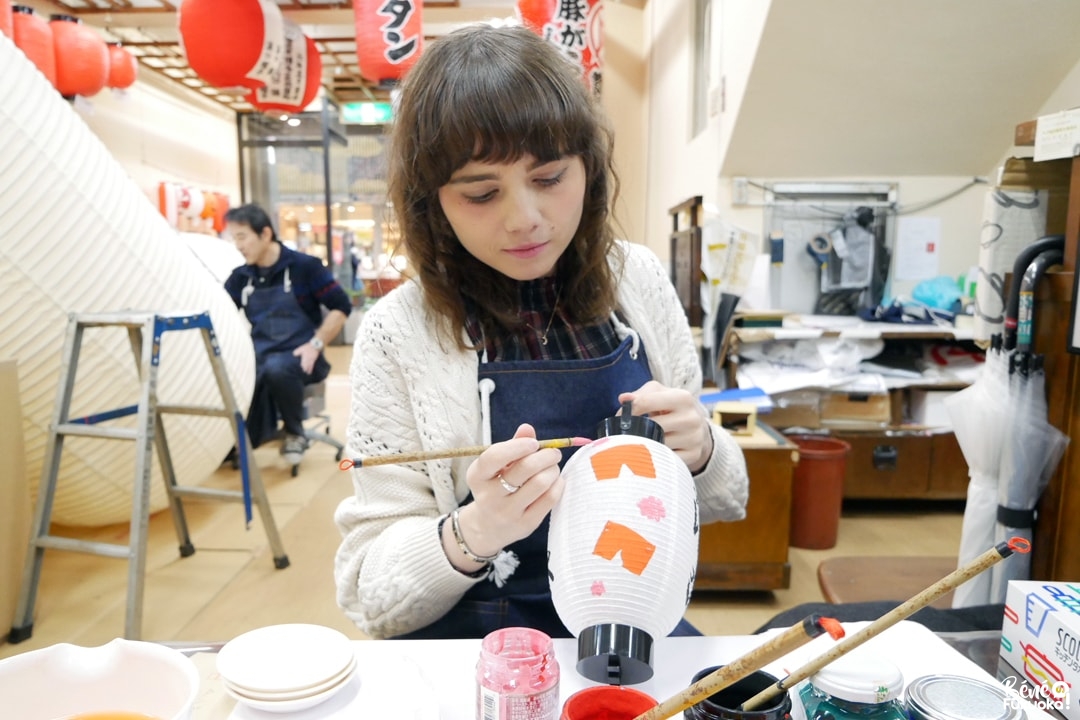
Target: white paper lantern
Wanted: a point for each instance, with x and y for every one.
(623, 551)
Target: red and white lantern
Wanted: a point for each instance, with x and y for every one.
(82, 58)
(5, 18)
(576, 27)
(232, 43)
(388, 38)
(622, 551)
(298, 79)
(123, 68)
(34, 36)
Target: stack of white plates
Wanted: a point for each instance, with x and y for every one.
(286, 668)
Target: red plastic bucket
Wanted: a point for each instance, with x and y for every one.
(817, 491)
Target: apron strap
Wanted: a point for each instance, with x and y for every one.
(246, 292)
(622, 330)
(487, 386)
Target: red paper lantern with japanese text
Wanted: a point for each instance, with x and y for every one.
(576, 27)
(33, 35)
(388, 38)
(122, 67)
(5, 18)
(82, 58)
(232, 43)
(298, 80)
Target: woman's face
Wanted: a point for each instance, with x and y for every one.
(518, 217)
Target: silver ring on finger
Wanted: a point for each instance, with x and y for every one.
(510, 489)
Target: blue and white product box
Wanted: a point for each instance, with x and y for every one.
(1040, 640)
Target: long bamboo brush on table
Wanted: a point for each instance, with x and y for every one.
(469, 451)
(949, 582)
(794, 637)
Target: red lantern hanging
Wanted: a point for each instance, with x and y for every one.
(34, 37)
(82, 58)
(300, 75)
(576, 27)
(388, 38)
(232, 44)
(221, 206)
(5, 18)
(122, 67)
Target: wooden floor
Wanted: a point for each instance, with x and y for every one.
(230, 585)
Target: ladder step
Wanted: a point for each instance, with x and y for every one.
(194, 410)
(84, 546)
(208, 493)
(113, 433)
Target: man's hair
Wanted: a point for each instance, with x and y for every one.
(495, 95)
(251, 215)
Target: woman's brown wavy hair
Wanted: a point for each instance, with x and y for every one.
(494, 95)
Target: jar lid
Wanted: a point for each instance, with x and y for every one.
(860, 679)
(944, 697)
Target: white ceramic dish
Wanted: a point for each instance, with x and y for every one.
(65, 679)
(284, 658)
(303, 703)
(295, 694)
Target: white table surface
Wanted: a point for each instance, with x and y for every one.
(436, 679)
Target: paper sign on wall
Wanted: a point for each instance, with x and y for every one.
(918, 240)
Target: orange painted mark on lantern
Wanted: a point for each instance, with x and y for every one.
(607, 464)
(598, 588)
(652, 508)
(618, 539)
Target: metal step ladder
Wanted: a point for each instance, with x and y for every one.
(149, 433)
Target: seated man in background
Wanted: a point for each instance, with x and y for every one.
(281, 291)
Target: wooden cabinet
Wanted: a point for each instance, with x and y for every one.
(898, 465)
(752, 554)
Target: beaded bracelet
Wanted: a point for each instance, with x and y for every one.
(455, 527)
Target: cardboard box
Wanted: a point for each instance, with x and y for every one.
(797, 408)
(850, 409)
(927, 407)
(1040, 639)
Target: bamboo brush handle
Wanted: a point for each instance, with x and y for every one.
(792, 638)
(470, 451)
(924, 598)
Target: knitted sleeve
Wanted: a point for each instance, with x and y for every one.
(391, 572)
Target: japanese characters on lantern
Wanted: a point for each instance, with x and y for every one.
(576, 27)
(388, 37)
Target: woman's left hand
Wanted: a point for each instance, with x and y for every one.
(680, 415)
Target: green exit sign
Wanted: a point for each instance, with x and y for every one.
(367, 113)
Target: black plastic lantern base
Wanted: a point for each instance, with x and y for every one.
(615, 654)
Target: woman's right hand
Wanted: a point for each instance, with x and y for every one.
(496, 517)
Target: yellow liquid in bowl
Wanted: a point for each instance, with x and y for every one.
(111, 715)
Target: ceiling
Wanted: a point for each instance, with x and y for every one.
(919, 87)
(148, 29)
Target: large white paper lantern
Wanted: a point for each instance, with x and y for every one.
(623, 549)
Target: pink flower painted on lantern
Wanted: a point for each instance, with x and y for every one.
(598, 588)
(652, 508)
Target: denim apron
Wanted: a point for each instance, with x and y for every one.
(559, 398)
(279, 325)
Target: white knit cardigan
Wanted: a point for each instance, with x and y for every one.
(411, 392)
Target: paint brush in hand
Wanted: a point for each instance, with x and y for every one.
(470, 451)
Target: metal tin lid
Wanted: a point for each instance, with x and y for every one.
(860, 678)
(954, 697)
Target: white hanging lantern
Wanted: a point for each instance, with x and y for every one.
(622, 548)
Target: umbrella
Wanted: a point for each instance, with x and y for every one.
(1028, 459)
(980, 416)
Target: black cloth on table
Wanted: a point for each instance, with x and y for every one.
(969, 619)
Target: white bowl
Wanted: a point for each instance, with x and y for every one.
(128, 675)
(295, 694)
